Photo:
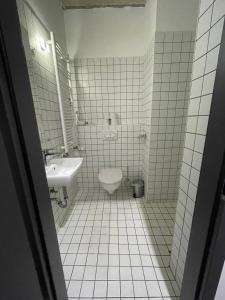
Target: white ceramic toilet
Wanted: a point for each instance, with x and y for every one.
(110, 179)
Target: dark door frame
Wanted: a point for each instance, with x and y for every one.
(25, 154)
(205, 257)
(19, 131)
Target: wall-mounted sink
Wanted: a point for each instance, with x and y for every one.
(62, 171)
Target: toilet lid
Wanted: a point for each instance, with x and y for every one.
(110, 175)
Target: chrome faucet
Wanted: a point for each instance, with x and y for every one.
(48, 152)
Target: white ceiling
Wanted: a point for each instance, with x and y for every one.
(78, 4)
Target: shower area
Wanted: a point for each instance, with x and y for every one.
(117, 246)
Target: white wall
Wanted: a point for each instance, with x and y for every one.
(107, 32)
(176, 15)
(51, 14)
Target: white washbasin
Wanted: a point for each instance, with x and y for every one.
(62, 171)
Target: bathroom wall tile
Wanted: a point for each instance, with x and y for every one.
(109, 85)
(199, 67)
(208, 83)
(197, 160)
(212, 60)
(191, 124)
(205, 105)
(201, 92)
(196, 87)
(204, 5)
(202, 125)
(187, 156)
(199, 143)
(215, 34)
(201, 45)
(189, 140)
(194, 107)
(204, 22)
(218, 10)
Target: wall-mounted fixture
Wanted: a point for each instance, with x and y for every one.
(80, 122)
(79, 148)
(110, 135)
(44, 46)
(142, 135)
(61, 110)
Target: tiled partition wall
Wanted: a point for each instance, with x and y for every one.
(210, 25)
(109, 85)
(147, 108)
(172, 66)
(166, 87)
(44, 89)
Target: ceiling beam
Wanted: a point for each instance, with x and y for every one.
(79, 4)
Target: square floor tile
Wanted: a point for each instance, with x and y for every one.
(135, 260)
(146, 260)
(92, 259)
(153, 289)
(113, 289)
(100, 289)
(101, 273)
(140, 289)
(124, 260)
(89, 273)
(102, 260)
(127, 289)
(87, 289)
(137, 273)
(81, 259)
(114, 260)
(78, 273)
(93, 248)
(74, 288)
(69, 259)
(149, 273)
(125, 273)
(113, 273)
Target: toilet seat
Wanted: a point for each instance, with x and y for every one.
(110, 175)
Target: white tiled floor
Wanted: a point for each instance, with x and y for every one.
(117, 247)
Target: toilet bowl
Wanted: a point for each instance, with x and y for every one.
(110, 179)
